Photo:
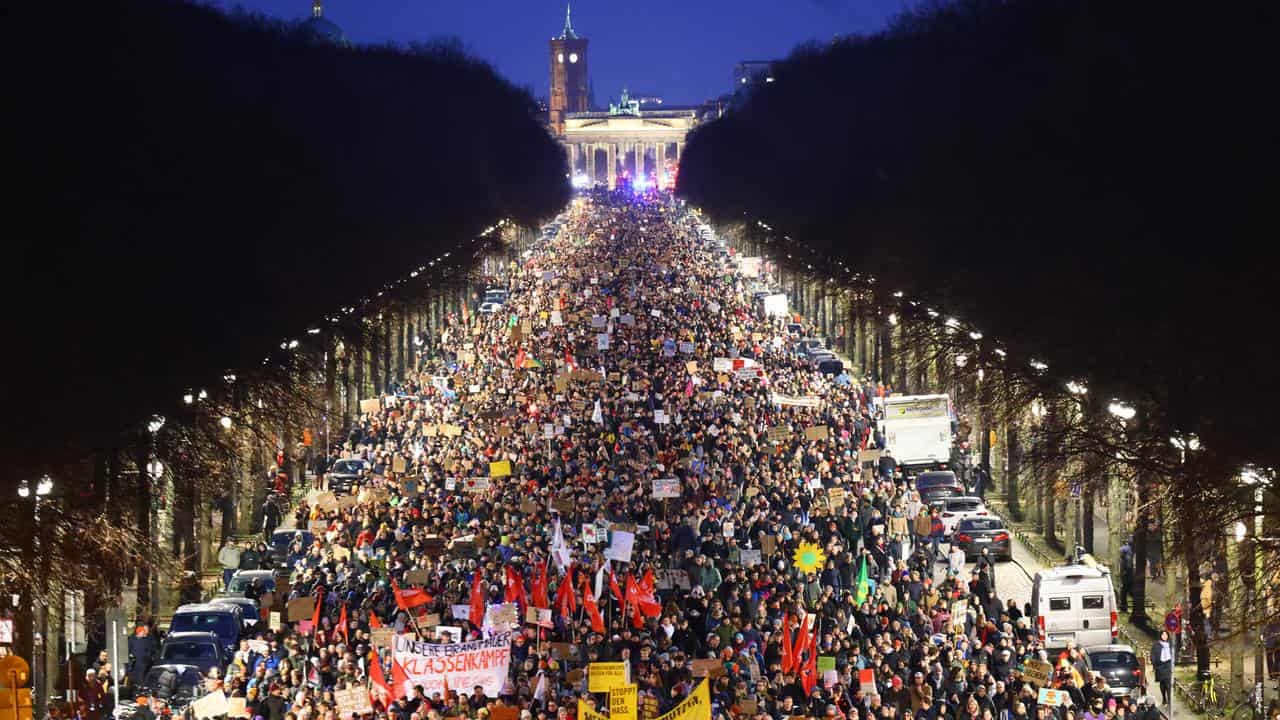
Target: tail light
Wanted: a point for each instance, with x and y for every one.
(1040, 627)
(1137, 672)
(962, 537)
(1001, 537)
(1115, 625)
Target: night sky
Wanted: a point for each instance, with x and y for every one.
(684, 50)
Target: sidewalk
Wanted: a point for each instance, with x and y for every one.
(1130, 634)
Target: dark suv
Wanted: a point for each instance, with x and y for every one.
(938, 484)
(344, 475)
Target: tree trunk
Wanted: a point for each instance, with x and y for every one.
(1193, 556)
(886, 338)
(1139, 546)
(142, 516)
(1011, 489)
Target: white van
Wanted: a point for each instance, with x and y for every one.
(1075, 603)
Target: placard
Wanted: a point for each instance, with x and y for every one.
(768, 545)
(383, 637)
(866, 681)
(274, 622)
(620, 546)
(605, 676)
(462, 665)
(667, 579)
(589, 535)
(708, 668)
(502, 712)
(476, 484)
(353, 701)
(623, 702)
(399, 464)
(666, 488)
(318, 527)
(779, 433)
(806, 401)
(539, 616)
(836, 497)
(1037, 672)
(237, 708)
(685, 347)
(212, 705)
(660, 417)
(1052, 698)
(371, 405)
(817, 432)
(868, 456)
(303, 608)
(500, 469)
(750, 558)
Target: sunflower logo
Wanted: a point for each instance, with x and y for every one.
(809, 557)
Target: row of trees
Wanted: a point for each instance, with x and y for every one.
(225, 228)
(1057, 447)
(1082, 187)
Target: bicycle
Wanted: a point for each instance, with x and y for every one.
(1247, 705)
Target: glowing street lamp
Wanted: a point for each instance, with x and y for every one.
(1121, 410)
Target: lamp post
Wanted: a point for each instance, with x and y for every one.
(36, 493)
(1251, 546)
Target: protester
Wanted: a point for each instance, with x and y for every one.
(630, 447)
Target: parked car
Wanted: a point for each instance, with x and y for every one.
(282, 539)
(488, 308)
(831, 367)
(938, 484)
(345, 473)
(203, 650)
(1118, 665)
(222, 621)
(960, 507)
(242, 579)
(1074, 603)
(975, 533)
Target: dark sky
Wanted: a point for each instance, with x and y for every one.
(682, 49)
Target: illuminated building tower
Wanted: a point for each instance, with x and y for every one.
(569, 86)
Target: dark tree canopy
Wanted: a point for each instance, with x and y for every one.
(192, 187)
(1089, 181)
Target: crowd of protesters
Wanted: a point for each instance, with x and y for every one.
(598, 376)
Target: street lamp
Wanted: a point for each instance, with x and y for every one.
(1250, 477)
(1122, 410)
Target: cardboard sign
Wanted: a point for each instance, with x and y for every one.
(561, 650)
(866, 680)
(399, 464)
(318, 527)
(1037, 672)
(211, 706)
(354, 701)
(528, 506)
(605, 676)
(300, 609)
(538, 616)
(503, 712)
(671, 580)
(666, 488)
(708, 668)
(236, 708)
(750, 558)
(868, 456)
(817, 432)
(836, 497)
(478, 484)
(372, 405)
(326, 501)
(686, 347)
(274, 622)
(768, 545)
(417, 577)
(779, 433)
(500, 469)
(383, 637)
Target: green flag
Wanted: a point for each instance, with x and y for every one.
(864, 585)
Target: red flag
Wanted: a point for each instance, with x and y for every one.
(566, 603)
(378, 679)
(809, 670)
(593, 610)
(648, 604)
(411, 598)
(540, 587)
(520, 358)
(788, 657)
(477, 599)
(613, 585)
(632, 605)
(515, 588)
(398, 679)
(342, 624)
(374, 622)
(568, 359)
(315, 617)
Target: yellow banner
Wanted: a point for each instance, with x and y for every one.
(499, 469)
(695, 707)
(624, 702)
(586, 713)
(605, 676)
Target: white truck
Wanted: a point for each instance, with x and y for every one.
(917, 429)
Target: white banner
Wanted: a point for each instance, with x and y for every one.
(465, 665)
(808, 401)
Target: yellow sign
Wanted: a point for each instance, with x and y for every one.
(586, 713)
(695, 707)
(624, 702)
(499, 469)
(605, 676)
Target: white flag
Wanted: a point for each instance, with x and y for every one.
(559, 551)
(540, 691)
(597, 415)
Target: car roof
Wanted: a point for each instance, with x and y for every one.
(982, 518)
(255, 573)
(1115, 647)
(191, 635)
(1062, 572)
(959, 498)
(201, 608)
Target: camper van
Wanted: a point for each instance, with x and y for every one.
(1075, 603)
